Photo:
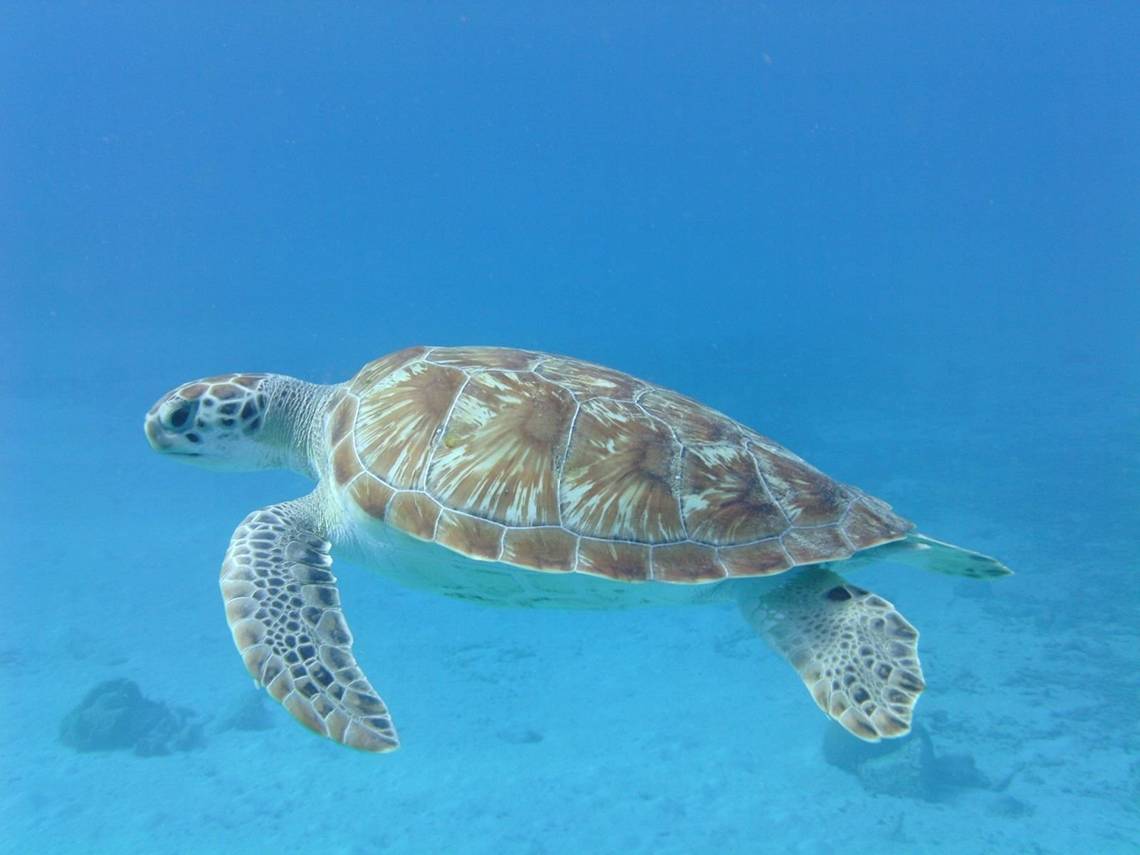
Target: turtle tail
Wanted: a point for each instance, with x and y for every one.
(918, 550)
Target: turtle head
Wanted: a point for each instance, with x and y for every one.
(218, 422)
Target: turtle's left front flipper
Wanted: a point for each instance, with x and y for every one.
(284, 611)
(855, 653)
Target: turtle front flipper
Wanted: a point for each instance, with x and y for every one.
(855, 653)
(284, 611)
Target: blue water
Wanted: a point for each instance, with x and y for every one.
(903, 240)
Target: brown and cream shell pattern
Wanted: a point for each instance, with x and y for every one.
(556, 465)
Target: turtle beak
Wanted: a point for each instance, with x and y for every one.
(168, 422)
(160, 440)
(154, 433)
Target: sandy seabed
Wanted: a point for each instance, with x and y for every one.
(670, 730)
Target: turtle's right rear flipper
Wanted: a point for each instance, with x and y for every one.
(855, 653)
(918, 550)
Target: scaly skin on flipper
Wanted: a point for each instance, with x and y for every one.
(284, 611)
(857, 656)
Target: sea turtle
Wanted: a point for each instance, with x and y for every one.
(525, 479)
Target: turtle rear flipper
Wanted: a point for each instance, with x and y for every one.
(284, 611)
(926, 553)
(855, 653)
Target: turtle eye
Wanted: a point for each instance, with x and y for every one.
(176, 415)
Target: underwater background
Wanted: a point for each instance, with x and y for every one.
(902, 239)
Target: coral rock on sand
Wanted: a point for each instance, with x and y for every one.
(116, 715)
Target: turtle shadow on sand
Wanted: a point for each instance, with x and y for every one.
(115, 715)
(907, 768)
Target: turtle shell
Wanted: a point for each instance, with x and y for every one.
(557, 465)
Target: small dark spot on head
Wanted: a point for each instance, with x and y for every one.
(229, 423)
(860, 695)
(208, 402)
(252, 426)
(838, 594)
(194, 438)
(228, 409)
(248, 410)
